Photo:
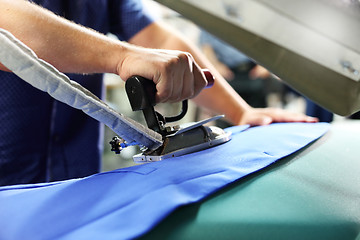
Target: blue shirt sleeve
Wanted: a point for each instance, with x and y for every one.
(128, 17)
(123, 18)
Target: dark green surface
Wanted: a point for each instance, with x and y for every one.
(312, 194)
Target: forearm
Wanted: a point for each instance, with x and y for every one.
(68, 46)
(76, 49)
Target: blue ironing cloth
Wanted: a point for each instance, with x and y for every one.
(126, 203)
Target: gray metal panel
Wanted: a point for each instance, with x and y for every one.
(311, 45)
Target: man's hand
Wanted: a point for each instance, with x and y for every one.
(176, 75)
(265, 116)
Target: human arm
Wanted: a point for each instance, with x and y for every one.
(259, 72)
(210, 54)
(76, 49)
(221, 98)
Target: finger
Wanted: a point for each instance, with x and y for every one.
(200, 81)
(177, 90)
(179, 71)
(182, 75)
(188, 86)
(285, 116)
(311, 119)
(189, 79)
(260, 121)
(184, 83)
(164, 87)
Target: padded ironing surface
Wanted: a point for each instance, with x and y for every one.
(312, 194)
(126, 203)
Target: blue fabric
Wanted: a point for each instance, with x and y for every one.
(42, 139)
(126, 203)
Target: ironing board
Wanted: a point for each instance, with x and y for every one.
(312, 194)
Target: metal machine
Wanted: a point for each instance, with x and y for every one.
(311, 45)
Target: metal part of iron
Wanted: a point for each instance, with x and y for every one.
(177, 140)
(116, 144)
(193, 140)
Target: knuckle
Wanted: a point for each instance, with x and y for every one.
(190, 93)
(185, 57)
(165, 95)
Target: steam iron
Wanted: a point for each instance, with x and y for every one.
(178, 139)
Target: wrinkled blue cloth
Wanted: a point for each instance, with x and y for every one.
(126, 203)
